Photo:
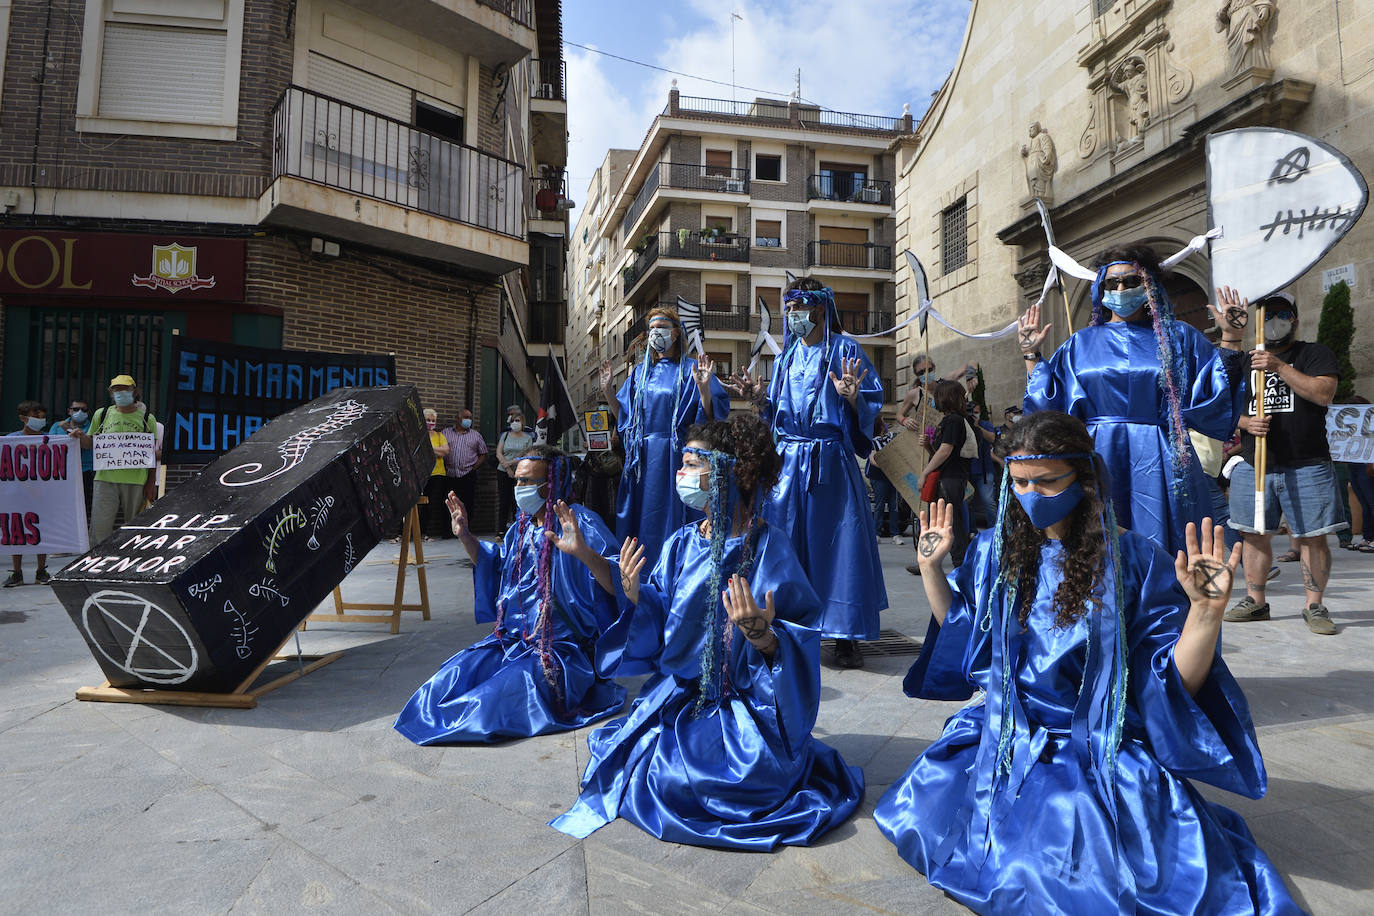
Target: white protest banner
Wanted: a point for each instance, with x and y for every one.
(1350, 432)
(42, 506)
(1281, 200)
(118, 451)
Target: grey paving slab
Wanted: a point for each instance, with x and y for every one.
(312, 802)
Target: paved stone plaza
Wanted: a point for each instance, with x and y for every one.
(311, 801)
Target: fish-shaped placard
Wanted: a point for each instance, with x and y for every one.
(1282, 200)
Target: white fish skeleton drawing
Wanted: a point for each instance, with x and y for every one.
(319, 514)
(242, 632)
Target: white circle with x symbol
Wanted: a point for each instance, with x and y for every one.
(129, 619)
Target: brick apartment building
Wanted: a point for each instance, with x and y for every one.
(721, 201)
(361, 177)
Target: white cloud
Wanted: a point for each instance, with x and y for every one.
(866, 56)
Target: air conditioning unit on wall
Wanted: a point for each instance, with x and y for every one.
(734, 185)
(871, 196)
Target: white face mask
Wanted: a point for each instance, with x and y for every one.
(516, 426)
(660, 339)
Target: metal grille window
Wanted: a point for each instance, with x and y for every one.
(80, 350)
(954, 236)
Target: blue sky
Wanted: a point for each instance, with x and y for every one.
(867, 56)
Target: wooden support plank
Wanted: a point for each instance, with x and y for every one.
(245, 696)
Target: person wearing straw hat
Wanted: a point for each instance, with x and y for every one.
(121, 490)
(1299, 478)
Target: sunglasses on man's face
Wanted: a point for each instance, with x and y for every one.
(1127, 282)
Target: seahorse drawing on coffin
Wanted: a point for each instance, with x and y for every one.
(201, 587)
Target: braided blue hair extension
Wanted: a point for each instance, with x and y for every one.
(635, 445)
(721, 509)
(1121, 669)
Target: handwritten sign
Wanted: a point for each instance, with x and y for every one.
(117, 451)
(902, 459)
(1350, 432)
(42, 508)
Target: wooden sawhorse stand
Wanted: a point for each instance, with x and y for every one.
(383, 613)
(244, 696)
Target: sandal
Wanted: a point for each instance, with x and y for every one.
(1366, 547)
(1289, 557)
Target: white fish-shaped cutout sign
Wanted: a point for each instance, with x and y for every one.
(1281, 200)
(690, 313)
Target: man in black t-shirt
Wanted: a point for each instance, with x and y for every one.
(1299, 480)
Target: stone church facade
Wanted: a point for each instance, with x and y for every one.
(1102, 110)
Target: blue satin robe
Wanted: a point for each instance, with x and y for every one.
(497, 688)
(1052, 836)
(647, 505)
(1109, 377)
(746, 774)
(820, 499)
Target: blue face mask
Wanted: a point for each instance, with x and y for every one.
(689, 490)
(799, 323)
(1124, 302)
(1044, 511)
(37, 423)
(123, 398)
(528, 499)
(80, 416)
(467, 424)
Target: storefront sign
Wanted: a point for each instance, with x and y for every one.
(42, 507)
(117, 451)
(122, 266)
(223, 393)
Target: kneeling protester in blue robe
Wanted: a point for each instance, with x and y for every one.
(1066, 788)
(534, 674)
(717, 749)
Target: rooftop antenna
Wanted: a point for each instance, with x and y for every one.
(733, 17)
(798, 93)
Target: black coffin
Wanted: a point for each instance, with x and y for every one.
(198, 590)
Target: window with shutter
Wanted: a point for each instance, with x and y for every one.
(719, 162)
(720, 297)
(768, 233)
(166, 68)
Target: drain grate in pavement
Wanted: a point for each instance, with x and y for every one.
(889, 642)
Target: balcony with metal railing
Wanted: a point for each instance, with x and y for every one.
(547, 322)
(327, 153)
(713, 318)
(684, 176)
(687, 244)
(549, 79)
(774, 112)
(849, 255)
(522, 11)
(873, 322)
(849, 187)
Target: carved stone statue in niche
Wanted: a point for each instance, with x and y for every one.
(1041, 163)
(1249, 28)
(1131, 80)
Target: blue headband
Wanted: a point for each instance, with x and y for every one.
(1062, 456)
